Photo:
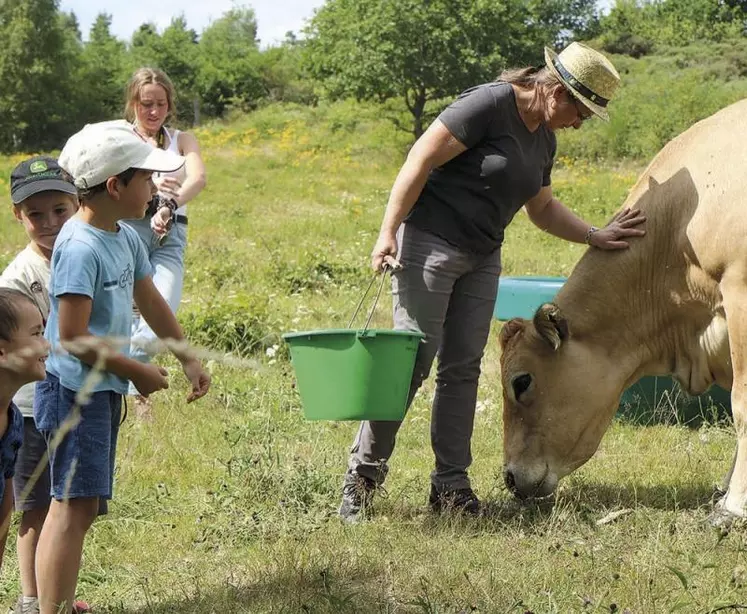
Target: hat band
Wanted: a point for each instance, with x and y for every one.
(577, 85)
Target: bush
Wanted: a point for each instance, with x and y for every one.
(627, 43)
(313, 271)
(661, 96)
(239, 324)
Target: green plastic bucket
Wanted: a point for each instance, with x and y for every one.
(345, 374)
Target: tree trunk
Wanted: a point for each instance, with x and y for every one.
(196, 111)
(417, 115)
(416, 106)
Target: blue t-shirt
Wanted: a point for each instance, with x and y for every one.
(104, 267)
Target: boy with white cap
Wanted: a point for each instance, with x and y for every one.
(44, 197)
(98, 267)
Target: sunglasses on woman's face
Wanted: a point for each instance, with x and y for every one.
(582, 110)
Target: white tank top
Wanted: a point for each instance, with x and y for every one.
(180, 174)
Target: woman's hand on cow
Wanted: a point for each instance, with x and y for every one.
(385, 252)
(624, 225)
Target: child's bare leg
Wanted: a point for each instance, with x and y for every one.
(29, 530)
(6, 508)
(59, 551)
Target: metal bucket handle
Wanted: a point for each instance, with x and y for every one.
(391, 266)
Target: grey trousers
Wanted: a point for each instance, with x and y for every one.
(449, 295)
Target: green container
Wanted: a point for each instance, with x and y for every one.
(345, 374)
(656, 400)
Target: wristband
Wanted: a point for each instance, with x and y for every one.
(170, 203)
(591, 231)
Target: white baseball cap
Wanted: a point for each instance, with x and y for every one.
(105, 149)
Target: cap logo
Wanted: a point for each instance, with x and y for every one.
(38, 166)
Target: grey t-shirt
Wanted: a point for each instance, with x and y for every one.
(471, 199)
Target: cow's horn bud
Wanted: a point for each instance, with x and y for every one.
(551, 324)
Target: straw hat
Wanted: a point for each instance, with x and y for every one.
(588, 74)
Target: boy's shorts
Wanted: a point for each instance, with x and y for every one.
(82, 465)
(32, 453)
(9, 445)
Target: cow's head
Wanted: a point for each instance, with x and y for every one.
(559, 395)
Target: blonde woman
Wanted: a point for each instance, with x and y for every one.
(151, 104)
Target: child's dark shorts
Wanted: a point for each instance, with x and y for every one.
(10, 443)
(30, 456)
(81, 459)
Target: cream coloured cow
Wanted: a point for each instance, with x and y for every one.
(670, 304)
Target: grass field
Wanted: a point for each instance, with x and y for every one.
(228, 505)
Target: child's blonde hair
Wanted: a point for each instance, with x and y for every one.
(146, 76)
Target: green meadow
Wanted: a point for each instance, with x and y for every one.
(229, 505)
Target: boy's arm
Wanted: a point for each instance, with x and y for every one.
(74, 316)
(157, 313)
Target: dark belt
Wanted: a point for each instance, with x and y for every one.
(180, 219)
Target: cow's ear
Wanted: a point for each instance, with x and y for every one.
(551, 325)
(511, 329)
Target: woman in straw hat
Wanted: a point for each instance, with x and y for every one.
(487, 155)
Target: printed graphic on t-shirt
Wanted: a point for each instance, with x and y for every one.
(127, 278)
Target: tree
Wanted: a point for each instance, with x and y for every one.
(230, 62)
(283, 74)
(563, 21)
(36, 64)
(103, 72)
(623, 30)
(425, 50)
(145, 44)
(176, 53)
(634, 27)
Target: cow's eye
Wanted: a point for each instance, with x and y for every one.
(520, 384)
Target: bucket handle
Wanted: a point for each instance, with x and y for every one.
(390, 265)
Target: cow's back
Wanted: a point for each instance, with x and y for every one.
(694, 192)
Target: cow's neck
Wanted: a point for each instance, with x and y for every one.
(630, 306)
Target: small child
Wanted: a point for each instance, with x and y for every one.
(98, 267)
(44, 197)
(23, 350)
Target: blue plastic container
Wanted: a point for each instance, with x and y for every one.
(519, 297)
(650, 399)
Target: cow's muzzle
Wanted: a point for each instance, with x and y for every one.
(526, 485)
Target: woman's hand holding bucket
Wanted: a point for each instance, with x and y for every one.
(384, 254)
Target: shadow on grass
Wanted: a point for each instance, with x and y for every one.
(500, 506)
(314, 589)
(583, 503)
(665, 497)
